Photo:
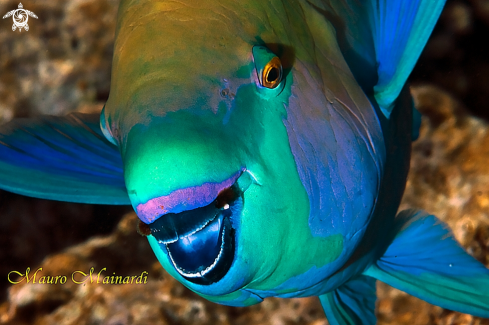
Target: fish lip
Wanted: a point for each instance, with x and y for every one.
(184, 199)
(171, 228)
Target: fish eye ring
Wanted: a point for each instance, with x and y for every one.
(269, 73)
(272, 73)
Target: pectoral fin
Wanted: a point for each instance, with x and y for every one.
(381, 40)
(61, 158)
(425, 261)
(351, 304)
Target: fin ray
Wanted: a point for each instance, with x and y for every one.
(61, 158)
(426, 261)
(352, 303)
(381, 40)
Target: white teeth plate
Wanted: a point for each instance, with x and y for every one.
(206, 270)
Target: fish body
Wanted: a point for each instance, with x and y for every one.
(265, 147)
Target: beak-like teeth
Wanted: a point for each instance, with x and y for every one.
(205, 256)
(201, 242)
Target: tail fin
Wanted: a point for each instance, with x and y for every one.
(425, 261)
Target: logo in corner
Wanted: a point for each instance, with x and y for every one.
(20, 17)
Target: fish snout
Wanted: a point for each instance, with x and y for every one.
(186, 178)
(196, 226)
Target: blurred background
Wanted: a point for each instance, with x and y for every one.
(62, 64)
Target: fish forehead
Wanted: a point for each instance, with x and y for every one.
(184, 46)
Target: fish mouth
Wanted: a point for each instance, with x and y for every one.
(201, 242)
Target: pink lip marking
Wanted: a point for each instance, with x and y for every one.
(184, 199)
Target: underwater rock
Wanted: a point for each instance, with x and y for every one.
(61, 63)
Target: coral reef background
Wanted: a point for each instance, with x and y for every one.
(62, 64)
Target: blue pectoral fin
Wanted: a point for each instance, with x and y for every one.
(61, 158)
(381, 40)
(351, 304)
(402, 30)
(425, 261)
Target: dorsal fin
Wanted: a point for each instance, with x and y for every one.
(381, 40)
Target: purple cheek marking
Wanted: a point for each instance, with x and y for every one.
(184, 199)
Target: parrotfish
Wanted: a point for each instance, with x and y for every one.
(264, 146)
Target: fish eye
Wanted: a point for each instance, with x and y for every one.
(272, 73)
(268, 67)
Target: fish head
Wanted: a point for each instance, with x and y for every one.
(198, 107)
